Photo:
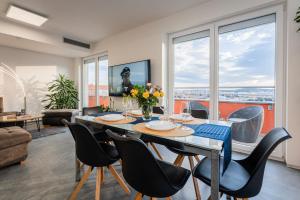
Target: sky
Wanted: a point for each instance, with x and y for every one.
(246, 58)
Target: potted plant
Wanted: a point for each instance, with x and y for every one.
(62, 94)
(146, 97)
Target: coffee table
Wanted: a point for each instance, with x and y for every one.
(24, 118)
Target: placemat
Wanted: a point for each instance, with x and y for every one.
(177, 132)
(123, 121)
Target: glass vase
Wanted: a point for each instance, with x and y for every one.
(147, 112)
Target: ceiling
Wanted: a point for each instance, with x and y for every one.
(93, 20)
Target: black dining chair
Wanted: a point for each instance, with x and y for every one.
(177, 148)
(94, 154)
(244, 178)
(146, 174)
(182, 153)
(200, 114)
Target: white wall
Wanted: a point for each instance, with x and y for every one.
(35, 70)
(149, 42)
(293, 85)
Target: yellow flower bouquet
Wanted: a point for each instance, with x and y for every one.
(146, 97)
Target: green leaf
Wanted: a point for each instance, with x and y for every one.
(62, 94)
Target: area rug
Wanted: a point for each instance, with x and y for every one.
(47, 131)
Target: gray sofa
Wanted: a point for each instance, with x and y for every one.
(13, 145)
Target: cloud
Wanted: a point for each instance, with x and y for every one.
(246, 58)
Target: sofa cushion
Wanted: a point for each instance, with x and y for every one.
(12, 136)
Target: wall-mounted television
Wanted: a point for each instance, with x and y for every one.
(122, 78)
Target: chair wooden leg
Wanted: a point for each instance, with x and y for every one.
(197, 191)
(156, 150)
(102, 175)
(153, 198)
(197, 158)
(178, 158)
(168, 198)
(98, 183)
(119, 179)
(138, 196)
(80, 184)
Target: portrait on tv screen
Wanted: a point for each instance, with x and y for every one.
(123, 77)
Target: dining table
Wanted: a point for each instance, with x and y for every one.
(200, 145)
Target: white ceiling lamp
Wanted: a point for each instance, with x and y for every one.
(26, 16)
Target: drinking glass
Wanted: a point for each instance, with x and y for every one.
(186, 113)
(125, 105)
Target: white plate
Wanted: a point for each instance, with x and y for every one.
(158, 125)
(180, 117)
(136, 112)
(112, 117)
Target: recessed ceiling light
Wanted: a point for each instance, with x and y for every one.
(26, 16)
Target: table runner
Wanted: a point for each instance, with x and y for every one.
(217, 132)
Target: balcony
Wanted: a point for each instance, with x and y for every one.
(231, 99)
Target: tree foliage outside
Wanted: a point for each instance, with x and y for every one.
(62, 94)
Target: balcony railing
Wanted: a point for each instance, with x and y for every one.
(230, 100)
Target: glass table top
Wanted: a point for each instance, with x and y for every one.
(191, 140)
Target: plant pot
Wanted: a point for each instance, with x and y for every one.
(147, 112)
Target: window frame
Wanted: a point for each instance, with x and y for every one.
(280, 68)
(96, 59)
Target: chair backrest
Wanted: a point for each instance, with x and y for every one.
(200, 114)
(67, 123)
(139, 166)
(256, 161)
(196, 105)
(248, 129)
(247, 112)
(88, 149)
(91, 110)
(157, 110)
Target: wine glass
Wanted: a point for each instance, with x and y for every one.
(125, 105)
(186, 113)
(130, 104)
(165, 110)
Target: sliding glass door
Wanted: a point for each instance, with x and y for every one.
(247, 67)
(95, 81)
(191, 71)
(229, 65)
(89, 83)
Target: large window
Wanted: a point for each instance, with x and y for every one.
(89, 77)
(95, 81)
(229, 65)
(247, 67)
(103, 98)
(191, 70)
